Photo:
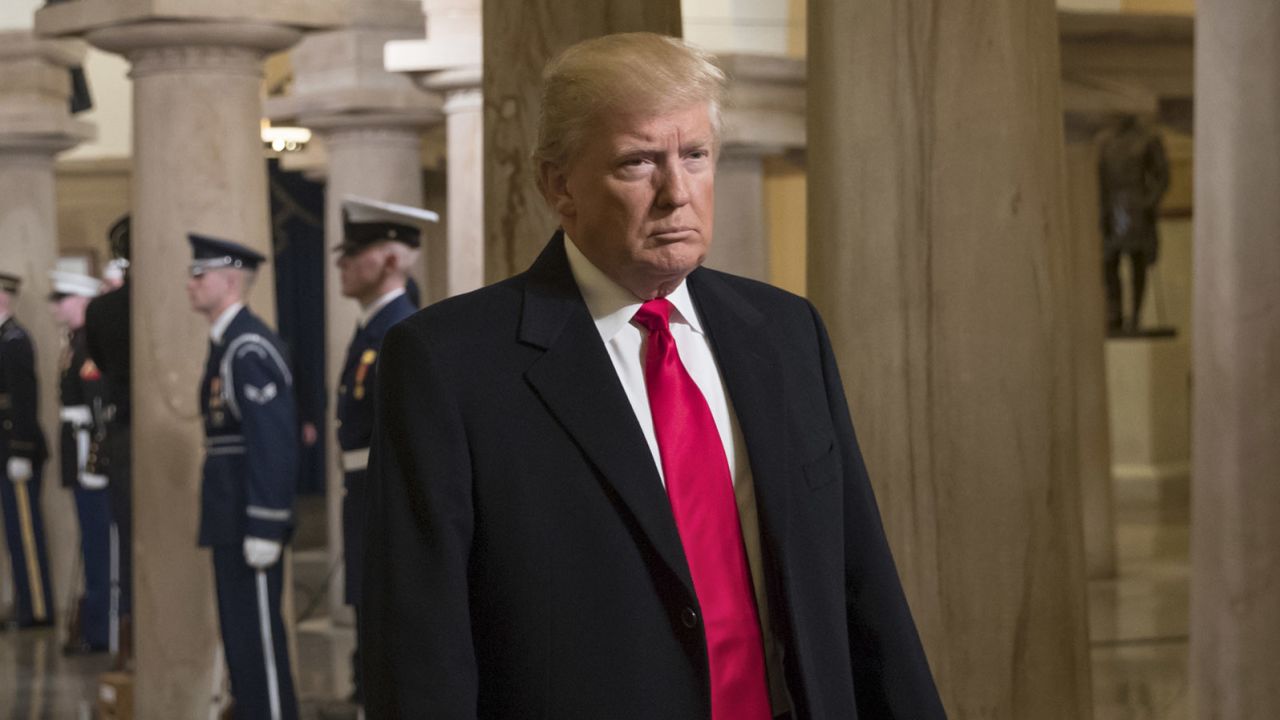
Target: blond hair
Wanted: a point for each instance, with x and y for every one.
(623, 73)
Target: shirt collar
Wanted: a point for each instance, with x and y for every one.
(4, 318)
(367, 313)
(611, 305)
(219, 327)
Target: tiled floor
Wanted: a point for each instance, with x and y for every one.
(1138, 622)
(1138, 632)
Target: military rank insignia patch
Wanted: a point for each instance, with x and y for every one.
(366, 361)
(262, 395)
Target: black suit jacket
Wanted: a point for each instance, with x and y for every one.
(521, 557)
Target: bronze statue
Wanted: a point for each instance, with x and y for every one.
(1133, 176)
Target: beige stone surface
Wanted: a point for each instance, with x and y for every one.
(1235, 543)
(198, 167)
(1149, 381)
(34, 127)
(1088, 338)
(92, 194)
(519, 37)
(940, 256)
(82, 16)
(764, 117)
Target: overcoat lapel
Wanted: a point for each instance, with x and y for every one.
(753, 378)
(575, 379)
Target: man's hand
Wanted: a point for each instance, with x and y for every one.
(19, 469)
(92, 481)
(309, 434)
(261, 554)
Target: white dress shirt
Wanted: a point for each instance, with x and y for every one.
(367, 313)
(612, 307)
(219, 327)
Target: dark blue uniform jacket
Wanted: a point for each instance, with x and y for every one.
(251, 437)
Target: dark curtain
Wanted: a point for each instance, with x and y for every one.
(297, 236)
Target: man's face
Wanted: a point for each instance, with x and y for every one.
(209, 290)
(363, 272)
(66, 310)
(638, 198)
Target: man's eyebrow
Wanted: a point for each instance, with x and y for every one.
(640, 146)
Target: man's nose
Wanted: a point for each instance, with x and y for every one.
(674, 191)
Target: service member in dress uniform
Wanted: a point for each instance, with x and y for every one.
(250, 475)
(106, 324)
(22, 456)
(82, 415)
(380, 245)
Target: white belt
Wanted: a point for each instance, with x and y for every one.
(76, 414)
(355, 460)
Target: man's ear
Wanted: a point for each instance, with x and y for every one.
(554, 182)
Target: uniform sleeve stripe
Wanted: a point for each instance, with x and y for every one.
(261, 513)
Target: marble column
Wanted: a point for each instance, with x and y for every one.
(940, 257)
(198, 166)
(464, 163)
(764, 117)
(34, 127)
(1088, 331)
(520, 36)
(371, 124)
(1235, 539)
(741, 241)
(448, 62)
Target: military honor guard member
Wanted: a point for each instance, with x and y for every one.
(83, 405)
(380, 244)
(250, 475)
(107, 341)
(22, 456)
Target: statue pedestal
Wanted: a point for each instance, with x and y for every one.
(1149, 380)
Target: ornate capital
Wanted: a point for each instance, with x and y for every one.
(194, 47)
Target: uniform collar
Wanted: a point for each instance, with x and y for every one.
(4, 318)
(220, 325)
(611, 305)
(369, 312)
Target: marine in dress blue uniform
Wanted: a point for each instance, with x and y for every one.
(81, 392)
(249, 479)
(22, 456)
(380, 242)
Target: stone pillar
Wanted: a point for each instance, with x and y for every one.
(448, 62)
(464, 127)
(939, 256)
(741, 240)
(1235, 543)
(520, 36)
(1088, 331)
(198, 166)
(371, 124)
(764, 117)
(34, 127)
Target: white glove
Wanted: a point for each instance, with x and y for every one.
(261, 554)
(92, 481)
(19, 469)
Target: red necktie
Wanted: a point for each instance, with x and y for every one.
(701, 493)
